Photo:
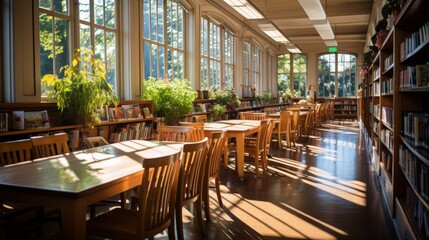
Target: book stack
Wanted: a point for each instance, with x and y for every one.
(415, 127)
(124, 112)
(415, 76)
(131, 131)
(417, 38)
(3, 122)
(387, 86)
(387, 116)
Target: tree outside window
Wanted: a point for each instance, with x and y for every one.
(163, 39)
(217, 56)
(337, 75)
(292, 71)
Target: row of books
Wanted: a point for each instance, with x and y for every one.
(131, 131)
(387, 86)
(386, 159)
(387, 116)
(387, 138)
(3, 122)
(376, 74)
(415, 171)
(416, 39)
(127, 111)
(376, 89)
(30, 119)
(377, 111)
(419, 212)
(415, 76)
(415, 126)
(388, 62)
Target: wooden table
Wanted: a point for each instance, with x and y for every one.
(238, 129)
(75, 180)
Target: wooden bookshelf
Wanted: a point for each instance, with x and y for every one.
(396, 120)
(345, 108)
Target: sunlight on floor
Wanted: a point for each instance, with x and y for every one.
(271, 220)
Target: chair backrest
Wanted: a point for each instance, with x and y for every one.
(176, 133)
(284, 121)
(198, 129)
(262, 134)
(216, 144)
(269, 133)
(191, 171)
(294, 120)
(269, 110)
(199, 118)
(15, 151)
(91, 142)
(50, 145)
(252, 116)
(158, 194)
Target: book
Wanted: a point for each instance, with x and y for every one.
(422, 75)
(36, 119)
(18, 120)
(138, 111)
(119, 113)
(146, 113)
(4, 122)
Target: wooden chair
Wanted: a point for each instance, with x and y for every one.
(308, 125)
(191, 182)
(199, 118)
(252, 116)
(50, 145)
(283, 127)
(294, 127)
(198, 129)
(156, 204)
(15, 151)
(268, 143)
(176, 133)
(91, 142)
(24, 217)
(256, 147)
(216, 144)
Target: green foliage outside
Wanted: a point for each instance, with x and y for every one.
(226, 97)
(171, 99)
(84, 87)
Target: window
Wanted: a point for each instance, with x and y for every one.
(337, 75)
(292, 71)
(97, 31)
(252, 62)
(97, 28)
(163, 39)
(54, 37)
(217, 56)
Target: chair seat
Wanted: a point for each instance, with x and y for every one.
(118, 223)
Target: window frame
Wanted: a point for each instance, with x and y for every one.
(291, 74)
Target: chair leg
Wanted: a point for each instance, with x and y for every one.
(279, 140)
(199, 204)
(123, 199)
(179, 222)
(206, 201)
(219, 197)
(171, 233)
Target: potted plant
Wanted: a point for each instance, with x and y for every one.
(392, 8)
(218, 111)
(83, 89)
(228, 98)
(171, 99)
(285, 95)
(381, 30)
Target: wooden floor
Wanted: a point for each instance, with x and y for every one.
(321, 189)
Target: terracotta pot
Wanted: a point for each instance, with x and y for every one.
(381, 36)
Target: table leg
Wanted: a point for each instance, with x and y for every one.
(240, 154)
(73, 216)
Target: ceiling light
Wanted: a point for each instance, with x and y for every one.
(293, 48)
(324, 29)
(331, 43)
(314, 9)
(273, 32)
(245, 9)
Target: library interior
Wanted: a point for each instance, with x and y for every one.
(214, 119)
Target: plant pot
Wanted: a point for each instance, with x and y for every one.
(381, 36)
(205, 94)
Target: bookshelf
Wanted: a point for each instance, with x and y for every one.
(345, 108)
(59, 124)
(396, 119)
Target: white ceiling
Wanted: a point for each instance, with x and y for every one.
(348, 18)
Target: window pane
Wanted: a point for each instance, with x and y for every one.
(61, 6)
(85, 36)
(147, 60)
(204, 74)
(153, 20)
(146, 19)
(46, 44)
(84, 10)
(111, 57)
(160, 22)
(99, 12)
(161, 59)
(99, 44)
(110, 13)
(45, 4)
